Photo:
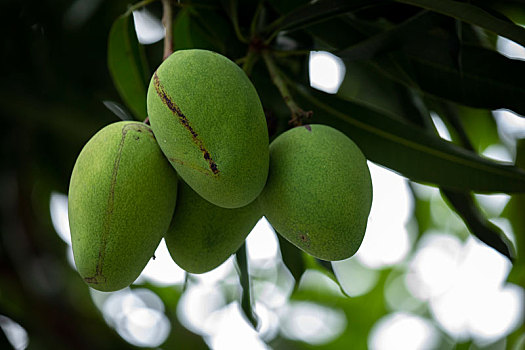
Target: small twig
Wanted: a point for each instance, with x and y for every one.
(248, 61)
(287, 53)
(298, 114)
(235, 21)
(167, 20)
(244, 279)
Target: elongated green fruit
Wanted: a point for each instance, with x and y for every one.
(319, 191)
(210, 124)
(202, 235)
(121, 199)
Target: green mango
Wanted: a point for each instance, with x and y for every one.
(122, 196)
(210, 124)
(202, 235)
(319, 191)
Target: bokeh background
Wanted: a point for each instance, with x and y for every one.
(419, 281)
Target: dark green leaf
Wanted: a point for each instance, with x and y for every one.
(244, 278)
(415, 153)
(292, 258)
(127, 65)
(315, 12)
(474, 15)
(412, 29)
(365, 85)
(478, 225)
(487, 80)
(190, 33)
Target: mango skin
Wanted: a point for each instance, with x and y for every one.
(202, 235)
(122, 196)
(319, 191)
(210, 124)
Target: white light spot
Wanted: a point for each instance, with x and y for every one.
(137, 315)
(162, 270)
(312, 323)
(354, 278)
(493, 204)
(232, 331)
(313, 280)
(498, 153)
(144, 327)
(440, 126)
(262, 244)
(14, 332)
(498, 317)
(511, 126)
(386, 240)
(403, 331)
(59, 216)
(326, 71)
(196, 305)
(510, 49)
(225, 272)
(149, 28)
(433, 268)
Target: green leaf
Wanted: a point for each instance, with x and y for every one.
(488, 79)
(189, 32)
(244, 278)
(315, 12)
(365, 85)
(415, 153)
(127, 65)
(292, 258)
(478, 225)
(474, 15)
(412, 29)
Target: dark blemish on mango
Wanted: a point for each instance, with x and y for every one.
(308, 127)
(304, 239)
(167, 100)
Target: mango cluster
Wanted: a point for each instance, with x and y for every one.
(202, 176)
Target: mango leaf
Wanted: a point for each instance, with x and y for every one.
(244, 278)
(514, 213)
(127, 65)
(474, 15)
(409, 150)
(487, 80)
(427, 61)
(315, 12)
(478, 225)
(292, 258)
(189, 33)
(365, 85)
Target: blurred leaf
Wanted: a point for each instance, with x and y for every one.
(428, 61)
(244, 278)
(514, 212)
(412, 29)
(127, 65)
(478, 225)
(118, 109)
(488, 79)
(292, 258)
(314, 12)
(415, 153)
(474, 15)
(190, 33)
(366, 86)
(325, 267)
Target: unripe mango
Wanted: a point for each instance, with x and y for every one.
(202, 235)
(319, 191)
(121, 199)
(210, 124)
